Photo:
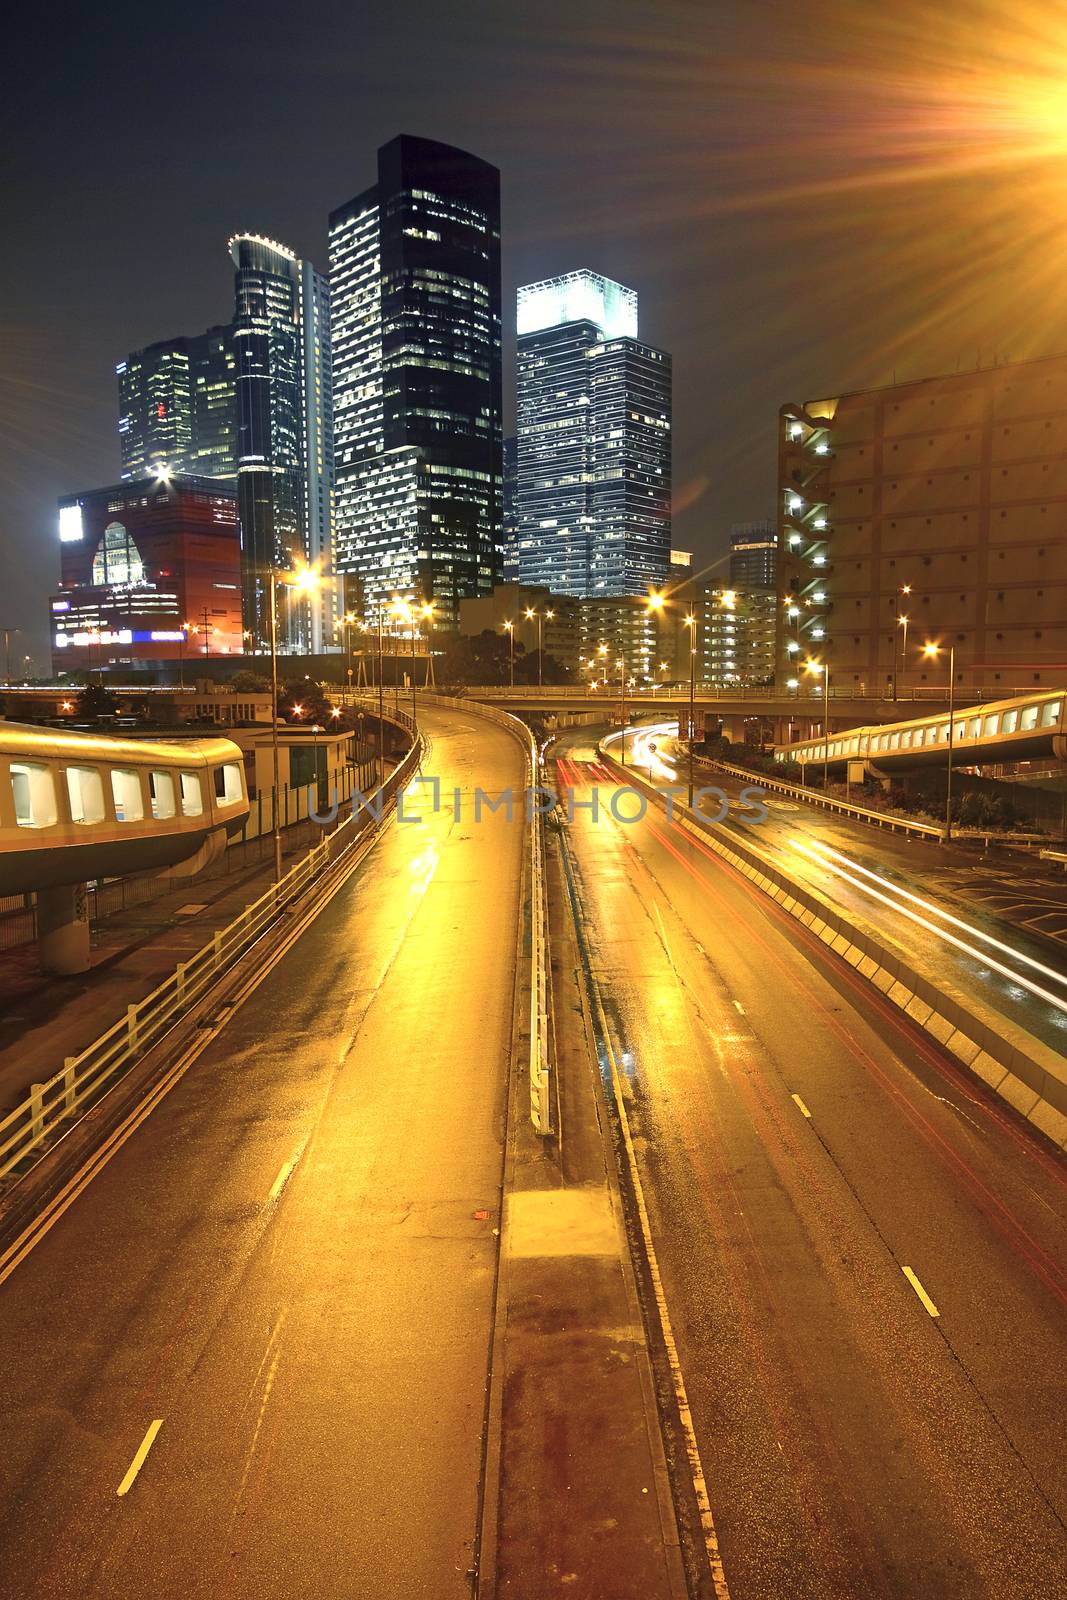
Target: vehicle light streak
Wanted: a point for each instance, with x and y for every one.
(645, 754)
(931, 927)
(928, 905)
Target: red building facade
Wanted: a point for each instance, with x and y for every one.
(150, 572)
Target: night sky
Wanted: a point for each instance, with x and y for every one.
(807, 198)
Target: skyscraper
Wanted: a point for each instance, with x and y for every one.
(593, 476)
(415, 319)
(178, 407)
(281, 337)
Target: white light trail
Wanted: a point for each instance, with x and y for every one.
(822, 860)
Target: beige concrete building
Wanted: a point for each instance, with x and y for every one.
(942, 502)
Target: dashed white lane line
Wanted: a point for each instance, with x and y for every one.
(282, 1179)
(920, 1291)
(802, 1106)
(740, 1007)
(139, 1459)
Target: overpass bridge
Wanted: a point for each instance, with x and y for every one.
(795, 713)
(1023, 728)
(80, 806)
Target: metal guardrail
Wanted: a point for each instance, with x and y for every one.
(811, 797)
(85, 1077)
(540, 1054)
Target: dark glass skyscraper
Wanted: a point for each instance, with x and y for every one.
(281, 339)
(178, 407)
(415, 319)
(593, 473)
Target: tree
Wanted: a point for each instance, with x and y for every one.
(481, 658)
(249, 682)
(96, 701)
(310, 697)
(552, 670)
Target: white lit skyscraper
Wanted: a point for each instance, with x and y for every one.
(593, 475)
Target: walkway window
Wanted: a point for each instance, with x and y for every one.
(34, 794)
(920, 738)
(126, 789)
(1028, 719)
(990, 726)
(192, 795)
(1051, 714)
(228, 790)
(161, 788)
(1011, 722)
(85, 791)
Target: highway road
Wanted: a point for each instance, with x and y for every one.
(868, 871)
(862, 1252)
(291, 1264)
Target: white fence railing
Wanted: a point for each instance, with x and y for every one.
(85, 1077)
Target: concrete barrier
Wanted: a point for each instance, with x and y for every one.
(1030, 1075)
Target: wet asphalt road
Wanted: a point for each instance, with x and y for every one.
(801, 1145)
(285, 1264)
(955, 878)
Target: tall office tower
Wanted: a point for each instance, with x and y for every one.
(509, 540)
(754, 578)
(754, 556)
(415, 319)
(178, 407)
(593, 476)
(280, 330)
(942, 501)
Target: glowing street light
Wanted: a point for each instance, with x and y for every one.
(509, 629)
(530, 615)
(930, 653)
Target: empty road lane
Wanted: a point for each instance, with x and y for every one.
(251, 1359)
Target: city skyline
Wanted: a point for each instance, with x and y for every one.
(693, 205)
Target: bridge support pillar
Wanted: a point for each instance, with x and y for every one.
(63, 929)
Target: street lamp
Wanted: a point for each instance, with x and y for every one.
(815, 667)
(305, 581)
(931, 653)
(530, 615)
(902, 622)
(413, 614)
(509, 629)
(691, 624)
(621, 664)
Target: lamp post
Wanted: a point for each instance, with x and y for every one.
(902, 622)
(306, 580)
(414, 612)
(509, 629)
(691, 624)
(815, 668)
(531, 614)
(381, 696)
(621, 664)
(931, 652)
